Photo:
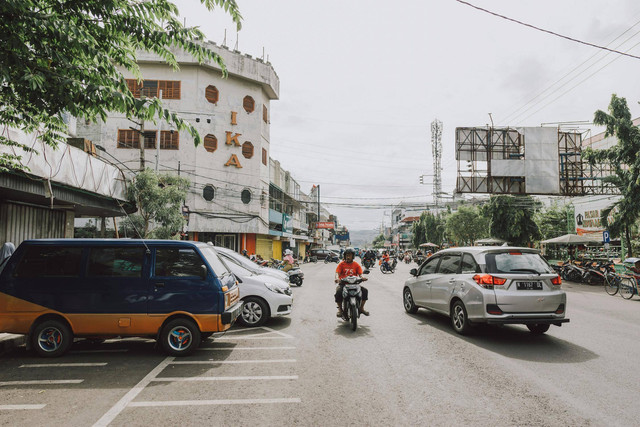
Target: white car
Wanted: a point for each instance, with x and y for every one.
(263, 296)
(250, 265)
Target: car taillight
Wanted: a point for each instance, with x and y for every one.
(560, 309)
(556, 280)
(488, 281)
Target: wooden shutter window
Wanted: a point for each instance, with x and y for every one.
(134, 87)
(128, 138)
(169, 140)
(264, 157)
(247, 150)
(265, 114)
(210, 143)
(150, 139)
(212, 94)
(170, 89)
(248, 104)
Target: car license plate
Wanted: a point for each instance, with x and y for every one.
(529, 286)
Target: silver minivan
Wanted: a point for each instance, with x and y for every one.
(488, 284)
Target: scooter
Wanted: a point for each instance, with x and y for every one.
(368, 263)
(351, 299)
(296, 276)
(389, 268)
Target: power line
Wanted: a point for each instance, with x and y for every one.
(547, 31)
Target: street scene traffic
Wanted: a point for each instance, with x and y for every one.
(239, 212)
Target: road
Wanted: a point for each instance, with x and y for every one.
(311, 369)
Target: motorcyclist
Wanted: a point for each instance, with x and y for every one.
(371, 256)
(348, 267)
(385, 260)
(287, 260)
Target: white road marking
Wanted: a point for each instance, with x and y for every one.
(275, 377)
(17, 407)
(244, 348)
(120, 350)
(61, 365)
(232, 362)
(254, 337)
(127, 398)
(39, 382)
(277, 332)
(215, 402)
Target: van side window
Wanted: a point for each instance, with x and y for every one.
(171, 262)
(116, 262)
(50, 261)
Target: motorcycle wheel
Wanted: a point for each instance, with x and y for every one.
(325, 261)
(300, 283)
(354, 317)
(382, 268)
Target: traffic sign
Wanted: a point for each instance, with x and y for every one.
(606, 238)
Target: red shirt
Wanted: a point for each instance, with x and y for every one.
(346, 269)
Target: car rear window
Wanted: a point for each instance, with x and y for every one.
(516, 262)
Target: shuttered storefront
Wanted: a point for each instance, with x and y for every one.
(263, 247)
(22, 222)
(277, 249)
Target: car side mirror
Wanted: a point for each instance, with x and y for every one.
(203, 272)
(414, 272)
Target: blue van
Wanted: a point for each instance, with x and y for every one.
(176, 292)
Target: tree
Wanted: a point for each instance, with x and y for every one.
(552, 222)
(61, 57)
(159, 199)
(378, 242)
(467, 225)
(620, 217)
(512, 219)
(430, 228)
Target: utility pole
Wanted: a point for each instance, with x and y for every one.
(159, 139)
(141, 136)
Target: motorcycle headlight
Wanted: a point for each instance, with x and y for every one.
(274, 288)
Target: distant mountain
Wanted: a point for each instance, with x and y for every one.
(362, 238)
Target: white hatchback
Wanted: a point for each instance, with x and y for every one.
(489, 284)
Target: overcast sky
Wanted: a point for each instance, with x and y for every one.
(362, 80)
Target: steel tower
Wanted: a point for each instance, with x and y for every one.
(436, 150)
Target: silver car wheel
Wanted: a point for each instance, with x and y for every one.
(252, 313)
(458, 317)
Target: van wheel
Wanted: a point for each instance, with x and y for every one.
(180, 337)
(51, 338)
(538, 328)
(459, 319)
(255, 312)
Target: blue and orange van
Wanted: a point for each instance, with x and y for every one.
(177, 292)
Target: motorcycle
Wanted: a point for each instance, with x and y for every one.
(332, 257)
(389, 268)
(407, 259)
(419, 259)
(296, 276)
(351, 299)
(312, 258)
(368, 263)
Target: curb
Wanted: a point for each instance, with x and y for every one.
(9, 342)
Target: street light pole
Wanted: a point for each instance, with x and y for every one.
(159, 135)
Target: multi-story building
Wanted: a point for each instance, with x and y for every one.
(232, 201)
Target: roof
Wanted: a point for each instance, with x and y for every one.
(410, 219)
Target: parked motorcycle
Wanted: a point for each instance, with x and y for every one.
(296, 276)
(332, 257)
(351, 299)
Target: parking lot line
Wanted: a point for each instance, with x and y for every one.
(255, 337)
(39, 382)
(119, 350)
(215, 402)
(274, 377)
(18, 407)
(127, 398)
(61, 365)
(231, 362)
(244, 348)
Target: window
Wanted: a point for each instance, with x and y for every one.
(449, 264)
(245, 196)
(430, 266)
(50, 261)
(128, 138)
(265, 114)
(248, 104)
(175, 262)
(212, 94)
(210, 143)
(219, 268)
(208, 192)
(169, 140)
(247, 149)
(264, 157)
(149, 88)
(116, 262)
(469, 265)
(516, 262)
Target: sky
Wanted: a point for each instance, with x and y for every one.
(361, 81)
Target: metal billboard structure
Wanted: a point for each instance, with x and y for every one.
(528, 160)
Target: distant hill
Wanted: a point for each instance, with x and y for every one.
(362, 238)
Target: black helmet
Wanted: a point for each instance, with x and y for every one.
(348, 251)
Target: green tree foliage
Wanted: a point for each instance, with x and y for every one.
(159, 199)
(60, 56)
(467, 225)
(624, 160)
(429, 228)
(378, 242)
(552, 222)
(512, 219)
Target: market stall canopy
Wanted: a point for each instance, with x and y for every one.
(490, 241)
(428, 245)
(572, 239)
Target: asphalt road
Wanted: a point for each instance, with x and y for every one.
(311, 369)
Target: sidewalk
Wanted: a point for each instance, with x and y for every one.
(11, 341)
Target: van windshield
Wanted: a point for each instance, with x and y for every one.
(219, 268)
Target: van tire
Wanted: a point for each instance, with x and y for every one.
(255, 312)
(51, 338)
(180, 337)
